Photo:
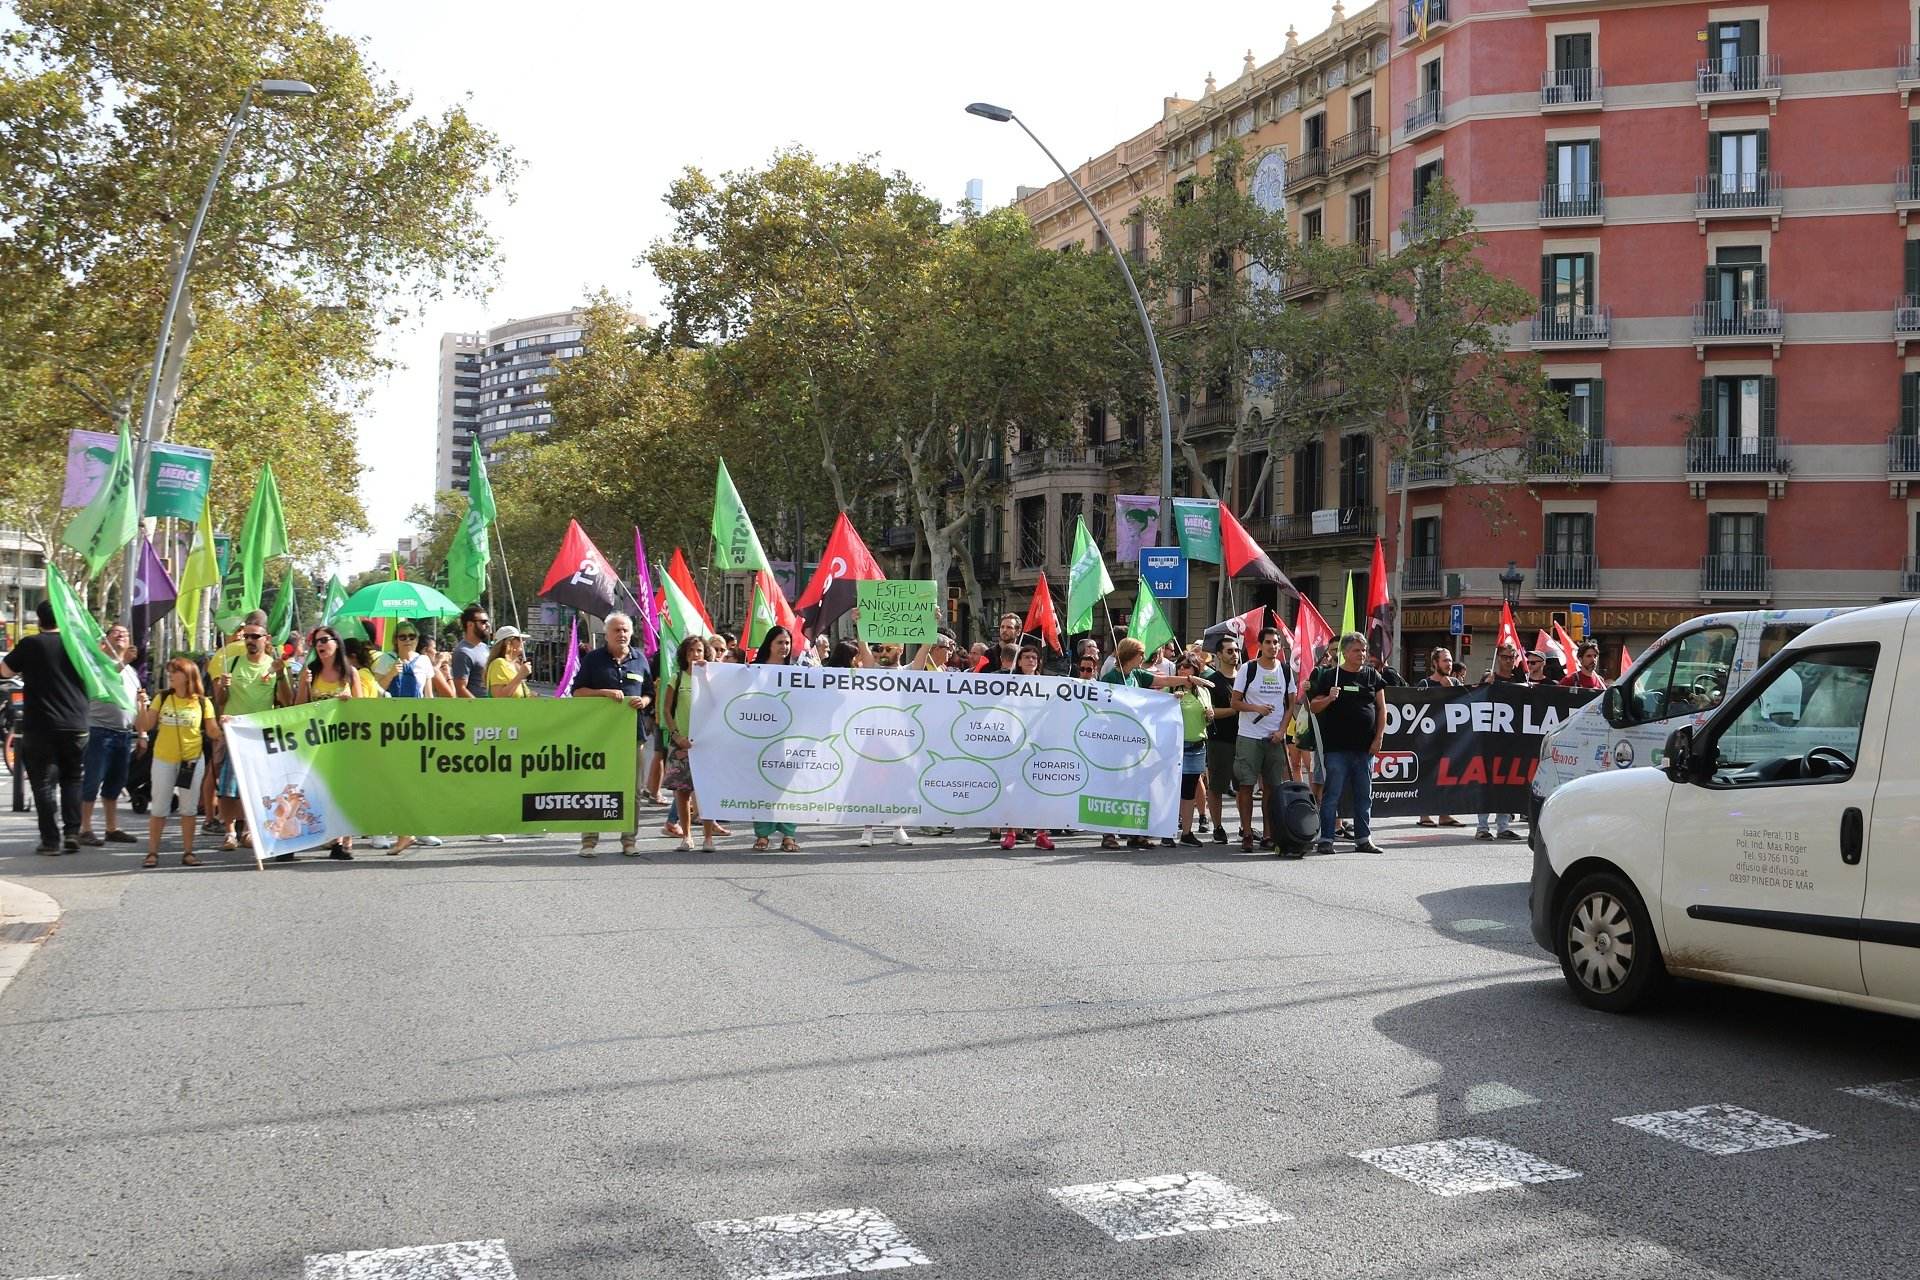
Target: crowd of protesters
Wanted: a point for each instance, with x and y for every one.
(1248, 727)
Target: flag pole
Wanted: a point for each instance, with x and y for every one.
(506, 573)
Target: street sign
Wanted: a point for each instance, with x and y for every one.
(1457, 620)
(1165, 570)
(1579, 621)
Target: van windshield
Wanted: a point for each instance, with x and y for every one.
(1686, 678)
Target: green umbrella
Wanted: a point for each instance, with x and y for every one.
(397, 600)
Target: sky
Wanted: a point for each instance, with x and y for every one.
(605, 101)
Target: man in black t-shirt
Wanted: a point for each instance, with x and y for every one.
(1223, 730)
(1349, 706)
(1507, 668)
(55, 722)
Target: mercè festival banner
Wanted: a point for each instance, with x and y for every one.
(865, 746)
(1471, 750)
(407, 766)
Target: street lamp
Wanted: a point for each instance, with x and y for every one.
(266, 88)
(987, 111)
(1510, 582)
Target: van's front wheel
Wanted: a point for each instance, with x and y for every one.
(1606, 944)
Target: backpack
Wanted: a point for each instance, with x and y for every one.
(405, 684)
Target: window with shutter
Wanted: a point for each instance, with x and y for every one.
(1913, 273)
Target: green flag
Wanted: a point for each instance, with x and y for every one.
(263, 537)
(1087, 580)
(468, 558)
(1197, 522)
(1347, 614)
(80, 637)
(330, 603)
(479, 488)
(281, 624)
(737, 545)
(679, 618)
(1148, 624)
(109, 521)
(231, 603)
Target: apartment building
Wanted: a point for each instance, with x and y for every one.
(1714, 205)
(493, 385)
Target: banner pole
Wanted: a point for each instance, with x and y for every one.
(506, 573)
(1113, 637)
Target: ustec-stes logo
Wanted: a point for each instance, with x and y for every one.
(1396, 766)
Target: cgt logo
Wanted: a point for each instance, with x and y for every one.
(1396, 766)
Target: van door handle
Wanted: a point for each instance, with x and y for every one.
(1853, 830)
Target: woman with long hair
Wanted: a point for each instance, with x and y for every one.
(676, 702)
(776, 649)
(181, 726)
(507, 668)
(331, 674)
(1027, 663)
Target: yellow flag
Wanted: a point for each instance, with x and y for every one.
(201, 570)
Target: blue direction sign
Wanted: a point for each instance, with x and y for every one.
(1165, 570)
(1457, 620)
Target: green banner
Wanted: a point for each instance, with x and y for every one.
(178, 477)
(897, 610)
(410, 766)
(1197, 521)
(222, 551)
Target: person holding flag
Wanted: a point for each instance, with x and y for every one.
(110, 745)
(55, 722)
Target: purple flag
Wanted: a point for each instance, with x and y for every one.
(89, 454)
(1136, 522)
(154, 594)
(649, 611)
(572, 668)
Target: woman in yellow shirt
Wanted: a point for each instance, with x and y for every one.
(330, 673)
(180, 725)
(507, 669)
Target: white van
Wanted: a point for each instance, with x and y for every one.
(1774, 849)
(1679, 681)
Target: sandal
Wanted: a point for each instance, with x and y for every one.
(1425, 822)
(152, 860)
(760, 845)
(789, 845)
(230, 844)
(188, 860)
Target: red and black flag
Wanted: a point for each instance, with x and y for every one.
(1041, 620)
(1243, 556)
(1379, 606)
(831, 592)
(580, 577)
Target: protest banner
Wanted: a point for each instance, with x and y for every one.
(399, 766)
(1470, 750)
(178, 477)
(897, 610)
(89, 455)
(1196, 523)
(887, 747)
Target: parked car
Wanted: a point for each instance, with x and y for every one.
(1773, 848)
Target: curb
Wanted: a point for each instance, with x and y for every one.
(27, 918)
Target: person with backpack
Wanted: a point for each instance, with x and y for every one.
(1264, 695)
(179, 726)
(407, 673)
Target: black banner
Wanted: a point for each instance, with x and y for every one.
(1470, 750)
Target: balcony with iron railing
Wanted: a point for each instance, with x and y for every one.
(1353, 148)
(898, 537)
(1115, 453)
(1207, 418)
(1423, 220)
(1423, 576)
(1754, 75)
(1569, 202)
(1906, 316)
(1566, 573)
(1424, 113)
(1736, 575)
(1056, 458)
(1561, 325)
(1908, 60)
(1570, 89)
(1410, 18)
(1324, 526)
(1738, 195)
(1903, 453)
(1417, 475)
(1910, 576)
(1741, 320)
(1588, 460)
(1306, 170)
(1737, 457)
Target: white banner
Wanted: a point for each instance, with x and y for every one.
(888, 747)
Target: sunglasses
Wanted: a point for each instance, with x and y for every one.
(325, 640)
(253, 635)
(407, 635)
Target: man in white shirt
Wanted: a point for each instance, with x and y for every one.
(1264, 694)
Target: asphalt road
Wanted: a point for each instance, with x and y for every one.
(573, 1070)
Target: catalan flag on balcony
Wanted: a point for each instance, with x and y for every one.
(1417, 10)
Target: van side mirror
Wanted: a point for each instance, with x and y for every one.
(1684, 761)
(1613, 705)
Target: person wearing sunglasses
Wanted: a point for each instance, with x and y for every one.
(183, 724)
(253, 681)
(404, 673)
(331, 674)
(471, 655)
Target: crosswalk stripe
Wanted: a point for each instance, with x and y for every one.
(1464, 1166)
(1721, 1129)
(794, 1246)
(1895, 1093)
(1168, 1204)
(461, 1260)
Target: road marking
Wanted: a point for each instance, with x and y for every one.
(1168, 1204)
(1896, 1093)
(1463, 1166)
(1478, 926)
(1495, 1095)
(462, 1260)
(793, 1246)
(1721, 1129)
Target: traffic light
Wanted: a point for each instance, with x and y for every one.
(1466, 643)
(1559, 619)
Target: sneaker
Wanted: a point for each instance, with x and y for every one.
(589, 845)
(1220, 835)
(1510, 834)
(1204, 825)
(432, 842)
(685, 846)
(1167, 842)
(1246, 842)
(1010, 839)
(282, 857)
(70, 845)
(1325, 846)
(1187, 837)
(1109, 842)
(900, 836)
(117, 836)
(91, 840)
(339, 852)
(381, 842)
(1483, 834)
(50, 850)
(626, 847)
(1042, 841)
(1367, 846)
(866, 838)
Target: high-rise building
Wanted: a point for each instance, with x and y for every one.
(494, 385)
(976, 198)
